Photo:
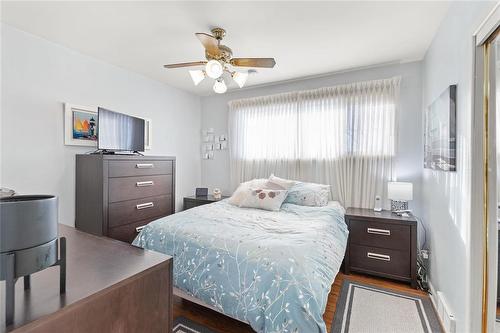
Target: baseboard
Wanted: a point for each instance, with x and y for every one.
(446, 318)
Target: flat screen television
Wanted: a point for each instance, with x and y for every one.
(119, 132)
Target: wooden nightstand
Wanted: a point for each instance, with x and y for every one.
(194, 201)
(382, 244)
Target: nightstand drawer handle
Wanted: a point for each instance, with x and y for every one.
(144, 165)
(146, 183)
(138, 229)
(145, 205)
(377, 256)
(378, 231)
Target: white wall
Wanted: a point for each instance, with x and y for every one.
(38, 76)
(409, 159)
(446, 195)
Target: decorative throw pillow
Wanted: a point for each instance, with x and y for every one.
(242, 191)
(284, 183)
(239, 195)
(308, 194)
(263, 198)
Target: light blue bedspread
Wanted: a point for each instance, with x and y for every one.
(273, 270)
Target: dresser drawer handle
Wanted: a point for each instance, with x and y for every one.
(138, 229)
(144, 165)
(146, 183)
(377, 256)
(376, 231)
(145, 205)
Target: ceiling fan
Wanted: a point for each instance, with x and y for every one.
(219, 60)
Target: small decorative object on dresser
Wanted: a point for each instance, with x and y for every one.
(382, 244)
(194, 201)
(217, 194)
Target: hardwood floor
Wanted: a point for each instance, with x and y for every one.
(222, 324)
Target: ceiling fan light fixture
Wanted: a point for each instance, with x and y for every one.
(197, 76)
(214, 69)
(220, 86)
(240, 78)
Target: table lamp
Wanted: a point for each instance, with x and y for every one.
(399, 193)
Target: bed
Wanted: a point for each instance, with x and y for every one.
(272, 270)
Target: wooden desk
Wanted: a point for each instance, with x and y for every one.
(111, 287)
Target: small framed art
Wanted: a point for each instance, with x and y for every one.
(80, 125)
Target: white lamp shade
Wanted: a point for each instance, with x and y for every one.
(214, 69)
(197, 76)
(240, 78)
(401, 191)
(220, 86)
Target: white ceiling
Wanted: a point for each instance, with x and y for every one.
(305, 38)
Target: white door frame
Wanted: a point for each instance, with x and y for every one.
(484, 176)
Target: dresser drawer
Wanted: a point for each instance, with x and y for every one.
(127, 233)
(125, 212)
(376, 260)
(139, 168)
(188, 203)
(379, 234)
(129, 188)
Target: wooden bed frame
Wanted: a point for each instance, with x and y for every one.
(182, 294)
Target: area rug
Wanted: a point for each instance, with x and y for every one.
(184, 325)
(363, 308)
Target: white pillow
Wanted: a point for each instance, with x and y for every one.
(267, 199)
(239, 195)
(257, 182)
(308, 194)
(263, 183)
(284, 183)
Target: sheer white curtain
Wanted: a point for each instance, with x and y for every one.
(343, 136)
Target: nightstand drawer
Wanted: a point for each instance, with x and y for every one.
(379, 234)
(192, 203)
(376, 260)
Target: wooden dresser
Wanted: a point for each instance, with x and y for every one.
(382, 244)
(110, 287)
(117, 194)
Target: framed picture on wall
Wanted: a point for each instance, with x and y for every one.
(148, 134)
(440, 132)
(80, 126)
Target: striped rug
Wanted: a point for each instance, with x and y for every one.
(363, 308)
(184, 325)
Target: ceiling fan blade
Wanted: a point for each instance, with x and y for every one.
(253, 62)
(186, 64)
(209, 42)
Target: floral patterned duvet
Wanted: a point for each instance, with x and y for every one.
(271, 269)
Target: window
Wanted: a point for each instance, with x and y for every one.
(314, 135)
